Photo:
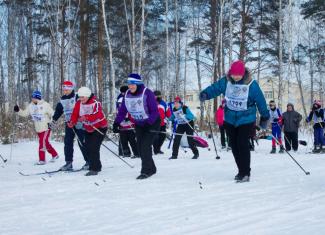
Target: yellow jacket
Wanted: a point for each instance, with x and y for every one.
(41, 114)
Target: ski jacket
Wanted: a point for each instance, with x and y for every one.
(41, 114)
(291, 121)
(182, 115)
(92, 113)
(276, 117)
(255, 99)
(317, 117)
(143, 104)
(164, 112)
(219, 117)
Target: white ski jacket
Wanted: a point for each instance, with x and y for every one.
(41, 114)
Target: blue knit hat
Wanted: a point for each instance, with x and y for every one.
(37, 95)
(134, 78)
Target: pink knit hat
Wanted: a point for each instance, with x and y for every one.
(237, 68)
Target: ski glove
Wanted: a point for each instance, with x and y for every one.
(203, 96)
(116, 127)
(52, 125)
(82, 119)
(263, 123)
(16, 108)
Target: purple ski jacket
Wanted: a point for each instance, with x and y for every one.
(150, 104)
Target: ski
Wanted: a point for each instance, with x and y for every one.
(39, 173)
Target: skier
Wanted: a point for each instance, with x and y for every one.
(127, 135)
(123, 89)
(185, 124)
(41, 113)
(316, 115)
(89, 111)
(276, 122)
(65, 106)
(140, 102)
(242, 95)
(291, 120)
(219, 118)
(164, 113)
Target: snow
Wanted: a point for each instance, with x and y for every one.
(185, 196)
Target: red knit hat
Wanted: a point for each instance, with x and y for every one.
(68, 85)
(177, 99)
(237, 68)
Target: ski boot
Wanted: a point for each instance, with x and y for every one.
(85, 167)
(316, 149)
(281, 149)
(273, 150)
(173, 157)
(242, 179)
(196, 156)
(91, 173)
(67, 167)
(39, 163)
(53, 159)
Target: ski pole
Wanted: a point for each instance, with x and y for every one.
(209, 123)
(115, 154)
(306, 172)
(79, 141)
(174, 133)
(3, 159)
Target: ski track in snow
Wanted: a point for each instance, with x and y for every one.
(185, 196)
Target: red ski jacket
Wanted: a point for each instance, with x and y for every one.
(90, 114)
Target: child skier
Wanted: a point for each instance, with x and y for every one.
(127, 135)
(65, 106)
(242, 96)
(276, 121)
(140, 102)
(316, 116)
(164, 113)
(41, 113)
(219, 118)
(185, 124)
(89, 111)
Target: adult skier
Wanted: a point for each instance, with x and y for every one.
(242, 95)
(164, 113)
(140, 102)
(65, 107)
(185, 124)
(41, 113)
(89, 111)
(291, 120)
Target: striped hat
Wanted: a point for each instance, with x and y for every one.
(37, 95)
(134, 78)
(68, 85)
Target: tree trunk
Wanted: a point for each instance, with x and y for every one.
(280, 94)
(100, 53)
(176, 85)
(133, 36)
(112, 90)
(141, 36)
(84, 27)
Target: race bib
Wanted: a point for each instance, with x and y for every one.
(180, 117)
(37, 113)
(68, 105)
(135, 107)
(86, 109)
(237, 96)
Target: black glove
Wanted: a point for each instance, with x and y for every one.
(16, 108)
(203, 96)
(116, 127)
(263, 122)
(275, 119)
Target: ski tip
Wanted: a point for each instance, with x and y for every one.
(308, 173)
(217, 157)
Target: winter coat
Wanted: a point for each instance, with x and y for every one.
(219, 117)
(291, 120)
(317, 117)
(41, 114)
(92, 112)
(255, 98)
(189, 116)
(149, 102)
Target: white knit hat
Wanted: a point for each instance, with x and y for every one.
(84, 91)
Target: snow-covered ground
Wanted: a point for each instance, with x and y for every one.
(185, 196)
